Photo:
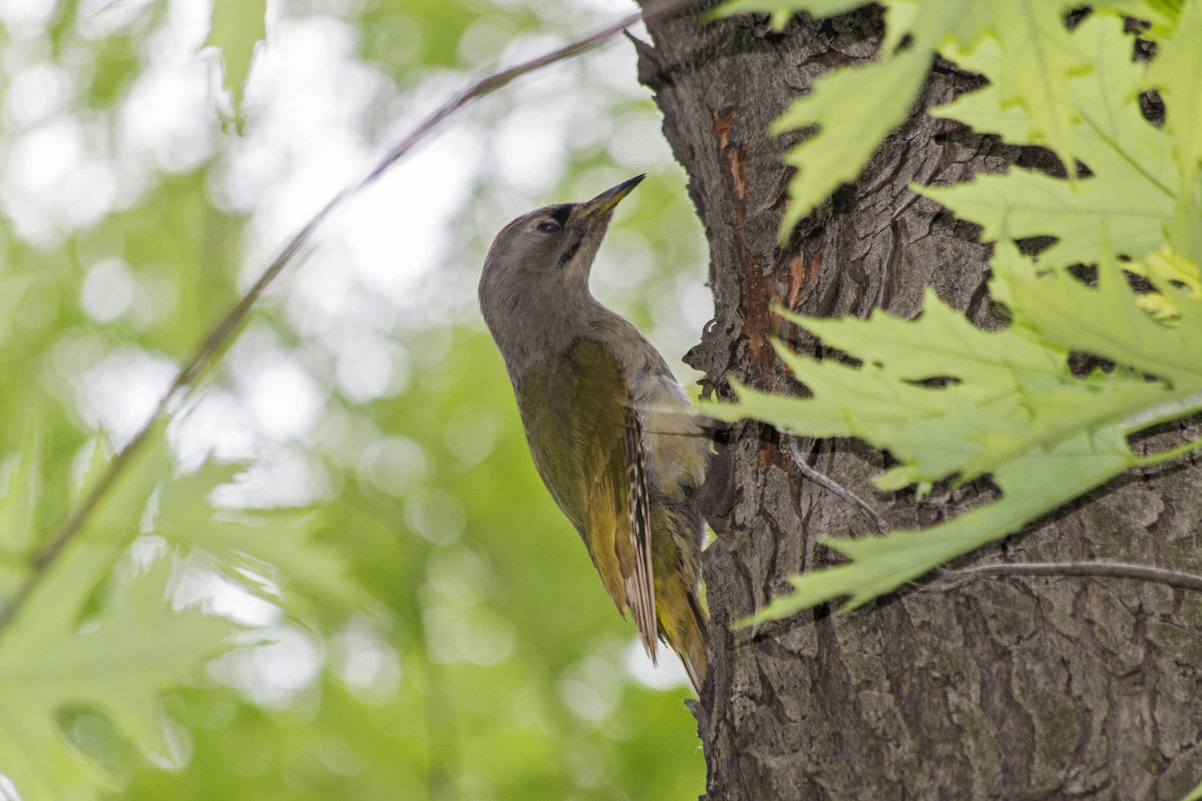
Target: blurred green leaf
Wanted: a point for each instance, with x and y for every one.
(17, 507)
(443, 665)
(14, 288)
(236, 28)
(246, 547)
(139, 649)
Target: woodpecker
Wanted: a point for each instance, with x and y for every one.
(610, 430)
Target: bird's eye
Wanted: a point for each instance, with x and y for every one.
(550, 227)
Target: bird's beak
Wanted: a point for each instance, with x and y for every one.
(604, 203)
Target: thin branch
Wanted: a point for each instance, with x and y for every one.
(830, 484)
(224, 332)
(495, 81)
(1159, 575)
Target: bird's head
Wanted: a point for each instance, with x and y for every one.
(547, 253)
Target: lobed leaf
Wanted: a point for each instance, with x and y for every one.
(139, 649)
(1132, 192)
(1177, 73)
(855, 109)
(880, 565)
(1039, 55)
(276, 543)
(1105, 321)
(1008, 406)
(135, 646)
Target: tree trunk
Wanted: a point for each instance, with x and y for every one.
(998, 688)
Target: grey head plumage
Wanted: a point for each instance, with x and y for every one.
(534, 289)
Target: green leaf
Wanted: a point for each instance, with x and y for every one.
(1177, 73)
(46, 663)
(882, 564)
(959, 348)
(855, 109)
(1006, 405)
(1184, 232)
(275, 544)
(1132, 193)
(1105, 321)
(1038, 58)
(237, 27)
(14, 288)
(135, 646)
(1168, 265)
(111, 523)
(139, 649)
(17, 523)
(117, 516)
(1162, 15)
(18, 530)
(1122, 208)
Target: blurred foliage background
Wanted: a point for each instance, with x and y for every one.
(334, 573)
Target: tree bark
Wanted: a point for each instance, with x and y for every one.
(1001, 687)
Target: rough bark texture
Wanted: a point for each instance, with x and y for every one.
(1014, 688)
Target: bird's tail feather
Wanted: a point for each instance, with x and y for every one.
(691, 643)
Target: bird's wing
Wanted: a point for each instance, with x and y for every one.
(586, 440)
(640, 584)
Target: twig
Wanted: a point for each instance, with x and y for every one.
(830, 484)
(495, 81)
(225, 330)
(1159, 575)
